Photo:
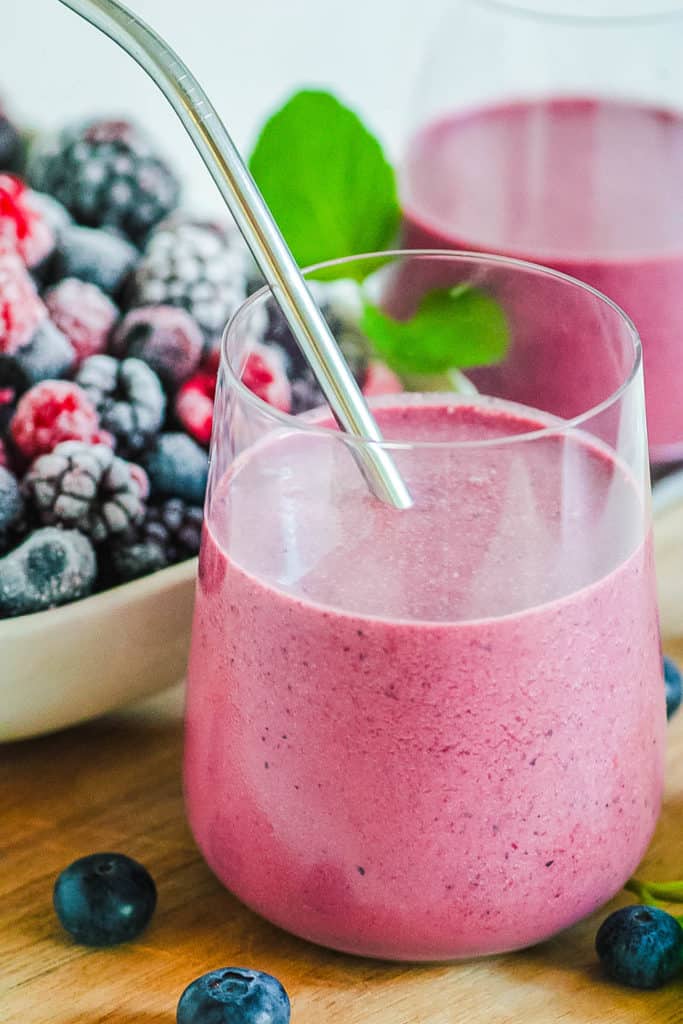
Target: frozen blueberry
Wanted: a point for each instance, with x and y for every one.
(673, 686)
(50, 568)
(234, 995)
(98, 257)
(48, 356)
(640, 946)
(11, 504)
(104, 899)
(177, 467)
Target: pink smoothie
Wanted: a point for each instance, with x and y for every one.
(591, 188)
(435, 733)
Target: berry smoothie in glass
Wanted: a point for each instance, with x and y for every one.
(433, 733)
(563, 146)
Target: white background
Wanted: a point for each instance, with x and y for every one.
(248, 54)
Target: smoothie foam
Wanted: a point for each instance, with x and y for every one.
(434, 733)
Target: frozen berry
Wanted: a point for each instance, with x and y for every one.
(83, 313)
(264, 373)
(169, 533)
(22, 227)
(196, 267)
(11, 144)
(86, 487)
(48, 355)
(107, 174)
(177, 467)
(11, 505)
(673, 685)
(380, 380)
(194, 406)
(56, 216)
(50, 412)
(640, 946)
(234, 995)
(50, 568)
(104, 899)
(165, 337)
(21, 310)
(128, 397)
(98, 257)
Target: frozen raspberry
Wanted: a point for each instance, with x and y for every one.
(83, 313)
(98, 257)
(107, 174)
(380, 380)
(51, 412)
(165, 337)
(22, 226)
(86, 487)
(48, 356)
(51, 568)
(177, 467)
(21, 310)
(195, 266)
(128, 398)
(194, 406)
(264, 373)
(169, 533)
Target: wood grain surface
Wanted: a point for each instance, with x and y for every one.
(115, 785)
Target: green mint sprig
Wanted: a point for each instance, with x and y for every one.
(334, 194)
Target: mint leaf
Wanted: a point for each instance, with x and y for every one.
(453, 327)
(327, 181)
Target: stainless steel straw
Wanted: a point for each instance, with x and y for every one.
(260, 232)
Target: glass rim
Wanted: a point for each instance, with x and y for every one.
(300, 423)
(528, 9)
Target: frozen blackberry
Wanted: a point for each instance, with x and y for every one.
(165, 337)
(195, 266)
(48, 356)
(98, 257)
(169, 533)
(88, 488)
(128, 398)
(50, 568)
(107, 174)
(11, 144)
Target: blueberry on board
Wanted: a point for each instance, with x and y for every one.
(640, 946)
(234, 995)
(104, 899)
(673, 686)
(177, 467)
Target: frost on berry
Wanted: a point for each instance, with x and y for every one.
(23, 228)
(83, 313)
(21, 310)
(51, 412)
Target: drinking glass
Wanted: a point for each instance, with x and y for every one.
(433, 733)
(558, 138)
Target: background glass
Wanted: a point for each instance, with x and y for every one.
(434, 733)
(559, 139)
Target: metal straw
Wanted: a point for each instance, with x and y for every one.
(260, 232)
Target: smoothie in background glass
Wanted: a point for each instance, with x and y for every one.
(559, 140)
(435, 733)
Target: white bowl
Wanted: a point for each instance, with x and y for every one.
(69, 664)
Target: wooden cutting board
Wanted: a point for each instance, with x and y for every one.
(115, 785)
